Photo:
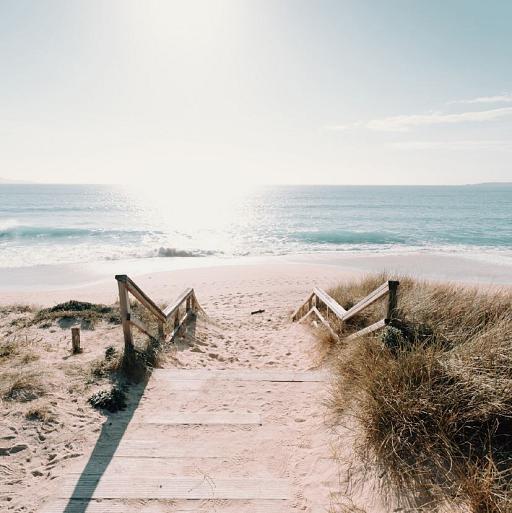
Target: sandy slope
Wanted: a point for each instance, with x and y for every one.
(297, 442)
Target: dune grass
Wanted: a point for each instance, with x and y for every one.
(78, 311)
(433, 393)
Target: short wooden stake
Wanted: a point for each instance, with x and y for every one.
(75, 340)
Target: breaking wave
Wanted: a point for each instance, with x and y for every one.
(17, 231)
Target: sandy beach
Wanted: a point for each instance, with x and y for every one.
(231, 338)
(42, 285)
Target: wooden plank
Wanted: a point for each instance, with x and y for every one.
(141, 326)
(137, 506)
(314, 311)
(171, 309)
(296, 313)
(182, 385)
(325, 323)
(202, 418)
(169, 467)
(161, 487)
(179, 325)
(280, 375)
(138, 293)
(367, 301)
(375, 326)
(310, 312)
(161, 449)
(330, 303)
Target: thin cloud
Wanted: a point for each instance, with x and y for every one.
(499, 98)
(407, 122)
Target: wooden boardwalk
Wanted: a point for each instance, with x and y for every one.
(199, 440)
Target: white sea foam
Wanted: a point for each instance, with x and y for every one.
(70, 224)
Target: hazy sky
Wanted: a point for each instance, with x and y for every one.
(274, 91)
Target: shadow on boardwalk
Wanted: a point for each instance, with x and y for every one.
(112, 432)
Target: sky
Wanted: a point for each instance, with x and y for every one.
(227, 93)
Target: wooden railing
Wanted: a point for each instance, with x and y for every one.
(319, 300)
(171, 314)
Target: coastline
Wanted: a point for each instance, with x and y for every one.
(48, 284)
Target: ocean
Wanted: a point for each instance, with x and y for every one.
(54, 224)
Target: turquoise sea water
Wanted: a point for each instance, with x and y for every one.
(48, 224)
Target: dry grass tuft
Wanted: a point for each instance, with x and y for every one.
(41, 412)
(433, 394)
(21, 385)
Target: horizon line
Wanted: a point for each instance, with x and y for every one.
(502, 182)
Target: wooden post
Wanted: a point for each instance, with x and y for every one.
(75, 340)
(124, 306)
(177, 318)
(392, 300)
(161, 331)
(189, 303)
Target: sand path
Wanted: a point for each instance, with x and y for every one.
(235, 421)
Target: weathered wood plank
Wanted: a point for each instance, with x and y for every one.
(140, 326)
(369, 329)
(138, 293)
(330, 303)
(169, 467)
(171, 309)
(179, 325)
(137, 506)
(325, 323)
(309, 313)
(181, 385)
(158, 449)
(367, 301)
(155, 487)
(296, 313)
(281, 375)
(203, 418)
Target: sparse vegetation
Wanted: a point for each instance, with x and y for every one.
(112, 400)
(88, 314)
(433, 393)
(53, 403)
(40, 412)
(21, 385)
(105, 367)
(16, 309)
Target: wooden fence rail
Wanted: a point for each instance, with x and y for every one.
(171, 314)
(319, 298)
